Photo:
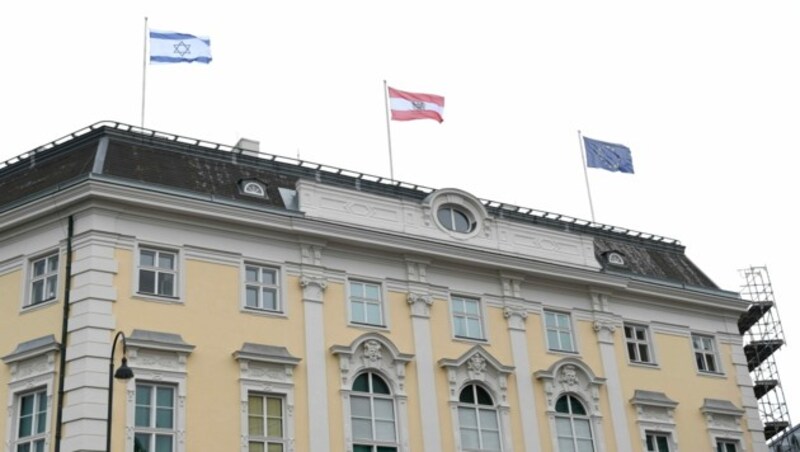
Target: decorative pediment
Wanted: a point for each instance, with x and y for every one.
(157, 351)
(32, 359)
(266, 363)
(372, 351)
(654, 407)
(571, 375)
(477, 365)
(722, 415)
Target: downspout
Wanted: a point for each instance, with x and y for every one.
(62, 359)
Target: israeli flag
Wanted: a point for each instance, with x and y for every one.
(608, 156)
(171, 47)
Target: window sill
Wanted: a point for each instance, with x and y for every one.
(264, 312)
(368, 326)
(703, 373)
(38, 306)
(563, 352)
(479, 340)
(158, 298)
(644, 365)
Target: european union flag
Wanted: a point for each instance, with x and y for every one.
(608, 156)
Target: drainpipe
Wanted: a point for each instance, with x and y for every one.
(62, 361)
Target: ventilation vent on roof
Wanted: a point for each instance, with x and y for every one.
(246, 146)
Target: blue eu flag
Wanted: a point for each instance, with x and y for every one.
(608, 156)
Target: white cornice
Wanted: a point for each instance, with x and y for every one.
(294, 224)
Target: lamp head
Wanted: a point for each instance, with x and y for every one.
(124, 372)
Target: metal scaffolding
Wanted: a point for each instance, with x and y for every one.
(763, 335)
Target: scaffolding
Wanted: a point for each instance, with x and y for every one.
(763, 335)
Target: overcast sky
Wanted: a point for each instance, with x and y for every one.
(705, 93)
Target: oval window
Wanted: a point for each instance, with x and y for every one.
(455, 219)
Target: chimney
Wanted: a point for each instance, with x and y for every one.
(246, 146)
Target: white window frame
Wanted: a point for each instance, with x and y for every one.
(728, 442)
(637, 343)
(152, 430)
(655, 415)
(31, 279)
(478, 408)
(38, 394)
(266, 439)
(279, 285)
(714, 352)
(648, 434)
(372, 396)
(571, 418)
(571, 330)
(176, 272)
(381, 303)
(454, 317)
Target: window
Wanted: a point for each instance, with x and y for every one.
(705, 353)
(155, 418)
(637, 341)
(261, 288)
(727, 446)
(365, 303)
(31, 422)
(157, 272)
(265, 423)
(455, 219)
(559, 331)
(657, 442)
(467, 322)
(372, 415)
(477, 420)
(573, 428)
(44, 279)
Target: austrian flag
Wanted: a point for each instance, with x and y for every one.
(407, 106)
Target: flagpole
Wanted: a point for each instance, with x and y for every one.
(144, 68)
(388, 129)
(586, 173)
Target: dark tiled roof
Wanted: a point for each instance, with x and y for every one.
(169, 162)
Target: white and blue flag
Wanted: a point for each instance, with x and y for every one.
(608, 156)
(171, 47)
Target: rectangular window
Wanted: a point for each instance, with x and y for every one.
(44, 279)
(559, 331)
(365, 303)
(262, 288)
(154, 429)
(657, 442)
(31, 422)
(467, 319)
(265, 427)
(705, 353)
(637, 341)
(724, 445)
(158, 272)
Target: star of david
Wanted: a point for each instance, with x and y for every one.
(417, 105)
(183, 49)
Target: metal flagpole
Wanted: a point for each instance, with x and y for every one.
(586, 173)
(144, 68)
(388, 130)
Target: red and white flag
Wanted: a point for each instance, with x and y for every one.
(406, 106)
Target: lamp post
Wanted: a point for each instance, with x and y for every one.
(123, 373)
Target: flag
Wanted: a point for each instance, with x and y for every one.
(170, 47)
(406, 106)
(608, 156)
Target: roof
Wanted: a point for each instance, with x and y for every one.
(162, 161)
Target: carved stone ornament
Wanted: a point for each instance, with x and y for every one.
(313, 287)
(568, 377)
(372, 353)
(476, 366)
(311, 254)
(509, 312)
(512, 287)
(417, 271)
(607, 325)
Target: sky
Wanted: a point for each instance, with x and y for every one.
(705, 94)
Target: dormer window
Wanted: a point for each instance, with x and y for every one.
(615, 258)
(455, 219)
(253, 188)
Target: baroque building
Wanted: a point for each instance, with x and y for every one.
(274, 305)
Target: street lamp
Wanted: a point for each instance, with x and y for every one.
(123, 373)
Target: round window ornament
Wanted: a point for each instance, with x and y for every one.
(454, 218)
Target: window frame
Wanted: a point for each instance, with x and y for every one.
(40, 395)
(478, 407)
(152, 430)
(572, 417)
(558, 330)
(648, 434)
(727, 442)
(31, 279)
(267, 439)
(381, 303)
(175, 271)
(637, 343)
(714, 352)
(452, 209)
(278, 286)
(480, 316)
(372, 396)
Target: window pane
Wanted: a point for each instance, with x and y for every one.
(644, 353)
(267, 276)
(26, 405)
(467, 395)
(359, 406)
(460, 326)
(38, 446)
(361, 384)
(640, 334)
(275, 427)
(585, 445)
(458, 305)
(164, 397)
(38, 267)
(379, 386)
(491, 441)
(358, 448)
(632, 351)
(488, 419)
(251, 274)
(628, 332)
(483, 397)
(255, 447)
(552, 339)
(563, 321)
(164, 417)
(52, 263)
(565, 445)
(384, 431)
(566, 341)
(563, 428)
(275, 447)
(147, 281)
(371, 292)
(374, 314)
(147, 258)
(577, 406)
(582, 429)
(142, 416)
(52, 282)
(562, 405)
(357, 311)
(37, 291)
(444, 217)
(385, 449)
(25, 426)
(461, 221)
(252, 296)
(270, 299)
(471, 307)
(549, 319)
(141, 442)
(356, 289)
(26, 447)
(166, 284)
(362, 429)
(166, 261)
(384, 409)
(474, 328)
(467, 417)
(163, 443)
(255, 425)
(712, 363)
(469, 438)
(274, 407)
(663, 446)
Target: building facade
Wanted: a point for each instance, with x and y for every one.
(274, 305)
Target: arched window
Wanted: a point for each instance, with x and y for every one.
(477, 419)
(372, 415)
(573, 426)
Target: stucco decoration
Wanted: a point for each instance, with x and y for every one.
(723, 420)
(465, 202)
(372, 351)
(420, 304)
(313, 287)
(477, 365)
(655, 412)
(570, 375)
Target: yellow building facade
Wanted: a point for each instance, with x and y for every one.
(274, 305)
